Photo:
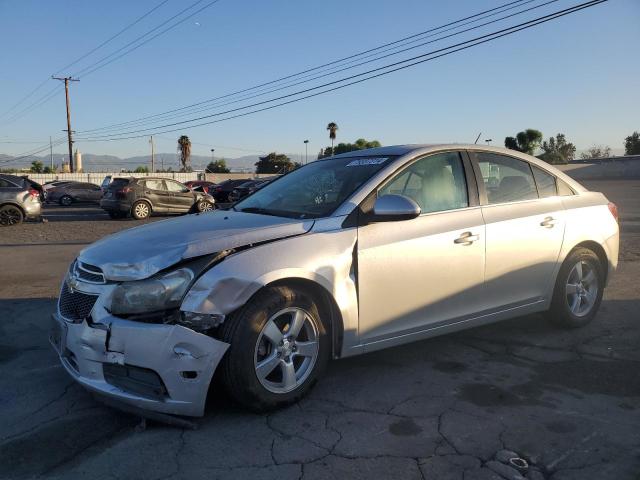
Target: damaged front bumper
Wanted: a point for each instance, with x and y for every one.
(164, 368)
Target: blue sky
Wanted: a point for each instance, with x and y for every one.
(578, 75)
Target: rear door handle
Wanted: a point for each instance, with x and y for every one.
(548, 222)
(467, 238)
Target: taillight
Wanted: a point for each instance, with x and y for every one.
(34, 193)
(123, 193)
(613, 208)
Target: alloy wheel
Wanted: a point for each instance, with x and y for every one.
(581, 289)
(10, 216)
(205, 207)
(286, 350)
(142, 210)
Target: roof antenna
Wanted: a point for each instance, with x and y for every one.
(477, 138)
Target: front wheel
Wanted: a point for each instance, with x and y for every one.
(279, 347)
(578, 291)
(204, 206)
(10, 215)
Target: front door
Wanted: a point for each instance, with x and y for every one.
(525, 223)
(181, 197)
(415, 275)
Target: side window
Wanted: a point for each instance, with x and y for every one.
(5, 183)
(506, 179)
(564, 189)
(436, 183)
(155, 184)
(545, 182)
(174, 186)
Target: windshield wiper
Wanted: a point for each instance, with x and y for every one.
(260, 211)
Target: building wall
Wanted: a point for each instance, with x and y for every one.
(97, 178)
(614, 167)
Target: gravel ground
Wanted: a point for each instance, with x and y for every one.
(566, 401)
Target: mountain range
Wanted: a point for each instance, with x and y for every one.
(110, 163)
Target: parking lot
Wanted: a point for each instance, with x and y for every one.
(566, 401)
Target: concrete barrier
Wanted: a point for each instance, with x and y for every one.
(614, 167)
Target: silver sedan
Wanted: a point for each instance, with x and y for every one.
(346, 255)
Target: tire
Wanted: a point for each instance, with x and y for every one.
(578, 290)
(204, 206)
(65, 200)
(10, 215)
(254, 368)
(141, 210)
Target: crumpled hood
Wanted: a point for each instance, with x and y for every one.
(140, 252)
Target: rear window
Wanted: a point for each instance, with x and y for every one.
(119, 183)
(7, 184)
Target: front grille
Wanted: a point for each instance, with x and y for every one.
(136, 380)
(75, 306)
(88, 273)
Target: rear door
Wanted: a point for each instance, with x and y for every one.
(525, 223)
(181, 197)
(156, 192)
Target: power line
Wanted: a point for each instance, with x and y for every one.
(32, 152)
(394, 67)
(477, 16)
(113, 37)
(98, 65)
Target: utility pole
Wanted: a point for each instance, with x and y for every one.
(306, 151)
(69, 131)
(51, 153)
(152, 155)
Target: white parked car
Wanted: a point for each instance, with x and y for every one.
(346, 255)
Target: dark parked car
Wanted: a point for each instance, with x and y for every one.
(141, 197)
(68, 193)
(222, 190)
(247, 188)
(200, 186)
(18, 200)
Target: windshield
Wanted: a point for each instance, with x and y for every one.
(315, 190)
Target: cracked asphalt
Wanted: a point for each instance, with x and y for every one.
(566, 401)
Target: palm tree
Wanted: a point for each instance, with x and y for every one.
(333, 128)
(184, 149)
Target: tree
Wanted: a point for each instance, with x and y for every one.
(632, 144)
(49, 169)
(141, 169)
(36, 166)
(596, 151)
(557, 150)
(527, 141)
(184, 149)
(333, 128)
(274, 163)
(359, 144)
(217, 166)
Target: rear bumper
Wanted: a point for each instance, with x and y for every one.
(162, 368)
(611, 247)
(32, 208)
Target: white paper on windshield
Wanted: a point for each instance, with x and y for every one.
(367, 161)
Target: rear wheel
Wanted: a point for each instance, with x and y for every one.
(279, 347)
(66, 200)
(141, 210)
(10, 215)
(578, 291)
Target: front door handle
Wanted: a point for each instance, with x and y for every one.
(467, 238)
(548, 222)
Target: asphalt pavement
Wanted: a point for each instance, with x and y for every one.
(567, 402)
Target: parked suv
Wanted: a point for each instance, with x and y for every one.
(73, 192)
(18, 200)
(143, 196)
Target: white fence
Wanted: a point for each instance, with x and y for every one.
(97, 178)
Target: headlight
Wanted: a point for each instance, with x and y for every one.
(151, 295)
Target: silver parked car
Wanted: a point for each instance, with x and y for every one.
(19, 199)
(346, 255)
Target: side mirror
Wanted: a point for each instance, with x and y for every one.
(389, 208)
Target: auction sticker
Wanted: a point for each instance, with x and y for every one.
(367, 161)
